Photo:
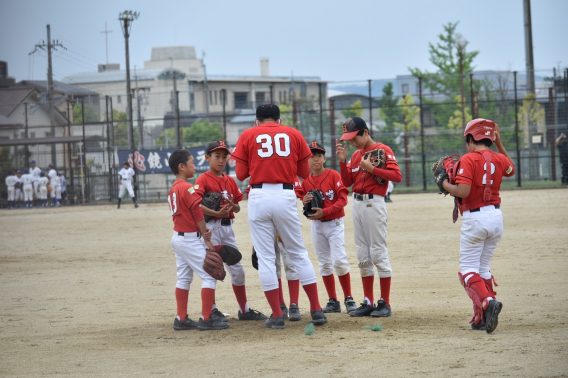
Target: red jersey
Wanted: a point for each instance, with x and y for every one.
(185, 206)
(271, 153)
(472, 171)
(333, 191)
(226, 185)
(298, 189)
(364, 182)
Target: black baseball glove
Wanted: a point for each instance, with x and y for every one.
(254, 259)
(378, 160)
(230, 255)
(317, 201)
(212, 200)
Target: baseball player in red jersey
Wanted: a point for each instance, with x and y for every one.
(328, 231)
(369, 212)
(190, 242)
(221, 226)
(274, 156)
(478, 181)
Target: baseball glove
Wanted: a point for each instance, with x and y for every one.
(445, 168)
(378, 160)
(212, 200)
(317, 201)
(254, 259)
(230, 255)
(213, 265)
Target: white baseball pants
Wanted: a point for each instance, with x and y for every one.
(42, 192)
(271, 210)
(126, 184)
(19, 196)
(28, 193)
(329, 244)
(56, 192)
(11, 193)
(480, 234)
(282, 257)
(370, 229)
(190, 253)
(224, 235)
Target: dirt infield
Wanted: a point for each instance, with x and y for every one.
(89, 291)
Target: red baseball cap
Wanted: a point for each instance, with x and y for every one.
(352, 126)
(218, 145)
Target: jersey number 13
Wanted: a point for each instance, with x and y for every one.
(173, 203)
(279, 144)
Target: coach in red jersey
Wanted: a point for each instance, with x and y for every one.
(274, 156)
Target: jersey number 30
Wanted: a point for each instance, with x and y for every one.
(173, 204)
(280, 145)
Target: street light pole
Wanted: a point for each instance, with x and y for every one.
(461, 43)
(126, 19)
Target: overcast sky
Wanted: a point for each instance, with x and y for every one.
(336, 40)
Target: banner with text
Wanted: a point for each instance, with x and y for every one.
(156, 161)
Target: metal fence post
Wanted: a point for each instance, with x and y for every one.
(519, 180)
(422, 134)
(551, 134)
(321, 113)
(332, 133)
(370, 110)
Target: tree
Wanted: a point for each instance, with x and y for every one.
(354, 110)
(409, 123)
(91, 115)
(455, 121)
(203, 131)
(121, 130)
(531, 116)
(391, 114)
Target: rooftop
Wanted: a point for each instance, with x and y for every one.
(58, 86)
(11, 98)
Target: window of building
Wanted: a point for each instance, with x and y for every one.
(211, 97)
(32, 134)
(260, 98)
(241, 100)
(119, 99)
(404, 88)
(216, 98)
(280, 96)
(303, 90)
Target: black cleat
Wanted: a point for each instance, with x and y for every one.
(219, 315)
(332, 306)
(318, 317)
(478, 327)
(252, 315)
(277, 323)
(363, 310)
(491, 315)
(382, 310)
(294, 313)
(211, 324)
(350, 304)
(284, 310)
(184, 325)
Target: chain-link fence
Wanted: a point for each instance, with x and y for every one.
(420, 118)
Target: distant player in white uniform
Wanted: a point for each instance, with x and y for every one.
(55, 185)
(34, 171)
(63, 187)
(27, 181)
(11, 180)
(126, 174)
(19, 194)
(42, 190)
(274, 156)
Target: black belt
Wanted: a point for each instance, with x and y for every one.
(189, 233)
(284, 186)
(328, 220)
(479, 208)
(225, 222)
(359, 197)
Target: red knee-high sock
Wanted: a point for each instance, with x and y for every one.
(272, 297)
(294, 289)
(181, 300)
(241, 294)
(345, 282)
(368, 288)
(312, 293)
(385, 289)
(329, 283)
(280, 292)
(207, 301)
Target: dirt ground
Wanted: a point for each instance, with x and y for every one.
(89, 291)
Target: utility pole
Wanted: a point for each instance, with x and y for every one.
(529, 46)
(206, 86)
(106, 40)
(126, 19)
(50, 45)
(461, 43)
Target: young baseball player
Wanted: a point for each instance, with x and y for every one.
(369, 212)
(42, 190)
(18, 193)
(11, 185)
(126, 174)
(221, 226)
(328, 231)
(190, 242)
(63, 195)
(479, 176)
(35, 171)
(55, 183)
(273, 156)
(27, 181)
